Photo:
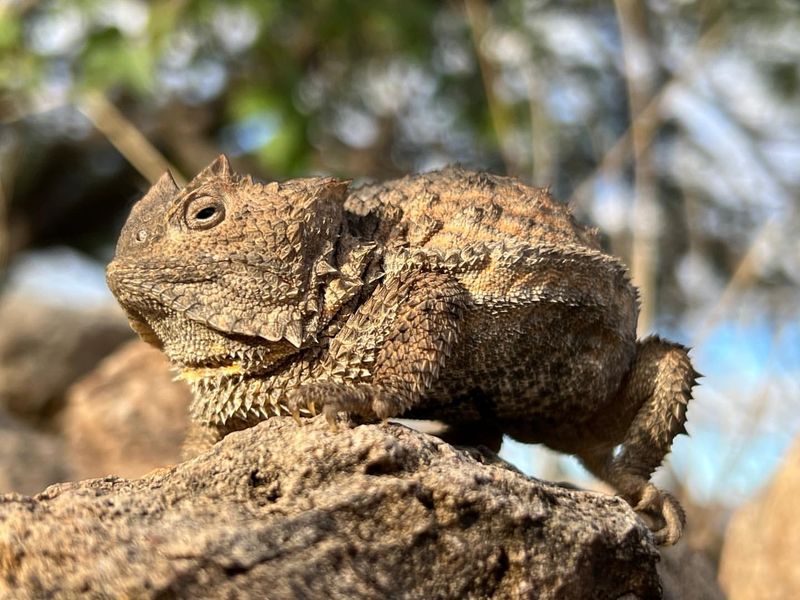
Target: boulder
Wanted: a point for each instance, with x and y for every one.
(29, 460)
(761, 553)
(287, 511)
(126, 417)
(44, 348)
(688, 574)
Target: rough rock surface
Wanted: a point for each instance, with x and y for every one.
(761, 554)
(45, 348)
(29, 460)
(281, 511)
(128, 416)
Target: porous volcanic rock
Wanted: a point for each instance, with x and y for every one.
(128, 416)
(281, 511)
(761, 553)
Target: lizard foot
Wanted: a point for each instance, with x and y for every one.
(666, 509)
(335, 400)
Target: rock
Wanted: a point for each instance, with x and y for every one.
(761, 553)
(282, 511)
(687, 574)
(44, 348)
(29, 460)
(128, 416)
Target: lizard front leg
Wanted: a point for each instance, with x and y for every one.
(657, 391)
(391, 350)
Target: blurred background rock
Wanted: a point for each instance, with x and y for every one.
(673, 126)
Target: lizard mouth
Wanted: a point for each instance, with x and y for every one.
(252, 362)
(194, 373)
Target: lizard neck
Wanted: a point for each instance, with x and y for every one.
(221, 399)
(356, 270)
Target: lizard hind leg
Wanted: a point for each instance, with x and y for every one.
(655, 394)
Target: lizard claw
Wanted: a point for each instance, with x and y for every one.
(296, 404)
(666, 508)
(330, 413)
(328, 396)
(296, 417)
(336, 400)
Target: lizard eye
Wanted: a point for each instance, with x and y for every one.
(204, 212)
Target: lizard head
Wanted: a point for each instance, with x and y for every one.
(227, 275)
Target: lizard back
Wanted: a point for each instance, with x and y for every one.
(507, 242)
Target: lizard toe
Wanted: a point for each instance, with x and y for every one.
(667, 510)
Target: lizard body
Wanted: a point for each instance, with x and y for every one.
(465, 297)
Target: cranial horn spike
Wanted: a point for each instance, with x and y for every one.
(221, 166)
(166, 183)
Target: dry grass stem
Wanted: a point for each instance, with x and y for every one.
(639, 71)
(126, 138)
(479, 20)
(617, 154)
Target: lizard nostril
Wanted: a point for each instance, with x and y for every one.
(141, 235)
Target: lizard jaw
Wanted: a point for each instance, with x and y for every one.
(224, 356)
(143, 329)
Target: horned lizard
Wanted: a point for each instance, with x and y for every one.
(465, 297)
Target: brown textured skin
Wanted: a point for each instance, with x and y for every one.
(460, 296)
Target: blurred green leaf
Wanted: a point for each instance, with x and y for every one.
(10, 31)
(110, 59)
(285, 153)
